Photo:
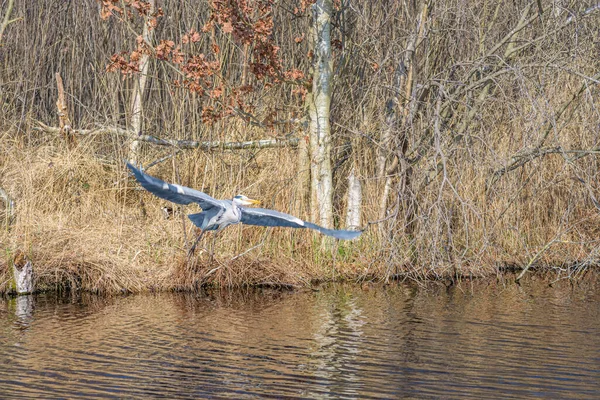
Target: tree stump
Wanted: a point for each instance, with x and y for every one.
(23, 274)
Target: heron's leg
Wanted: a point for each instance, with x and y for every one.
(212, 248)
(193, 248)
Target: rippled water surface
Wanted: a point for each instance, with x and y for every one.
(481, 340)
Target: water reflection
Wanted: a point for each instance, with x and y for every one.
(340, 342)
(22, 309)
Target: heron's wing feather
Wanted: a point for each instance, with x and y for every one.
(198, 218)
(171, 192)
(336, 233)
(264, 217)
(203, 220)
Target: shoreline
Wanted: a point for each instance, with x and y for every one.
(508, 275)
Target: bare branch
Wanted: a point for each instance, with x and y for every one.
(6, 20)
(523, 158)
(518, 160)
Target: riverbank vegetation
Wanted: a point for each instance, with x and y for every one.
(469, 131)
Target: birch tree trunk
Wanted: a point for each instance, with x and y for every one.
(354, 202)
(319, 101)
(138, 91)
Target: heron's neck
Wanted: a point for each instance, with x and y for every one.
(235, 209)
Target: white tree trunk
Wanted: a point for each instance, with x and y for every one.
(319, 105)
(138, 91)
(354, 202)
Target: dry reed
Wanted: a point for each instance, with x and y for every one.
(453, 210)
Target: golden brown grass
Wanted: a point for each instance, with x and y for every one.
(86, 225)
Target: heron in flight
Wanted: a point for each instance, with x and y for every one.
(219, 214)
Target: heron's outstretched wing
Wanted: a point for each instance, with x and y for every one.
(175, 193)
(264, 217)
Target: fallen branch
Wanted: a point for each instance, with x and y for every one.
(181, 144)
(218, 145)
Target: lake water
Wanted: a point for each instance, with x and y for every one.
(477, 340)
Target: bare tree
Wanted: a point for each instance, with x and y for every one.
(140, 85)
(319, 103)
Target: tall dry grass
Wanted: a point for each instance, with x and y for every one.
(87, 226)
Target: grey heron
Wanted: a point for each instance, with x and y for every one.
(219, 214)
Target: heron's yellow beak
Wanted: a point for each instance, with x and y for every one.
(256, 202)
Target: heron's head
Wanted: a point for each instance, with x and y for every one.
(242, 200)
